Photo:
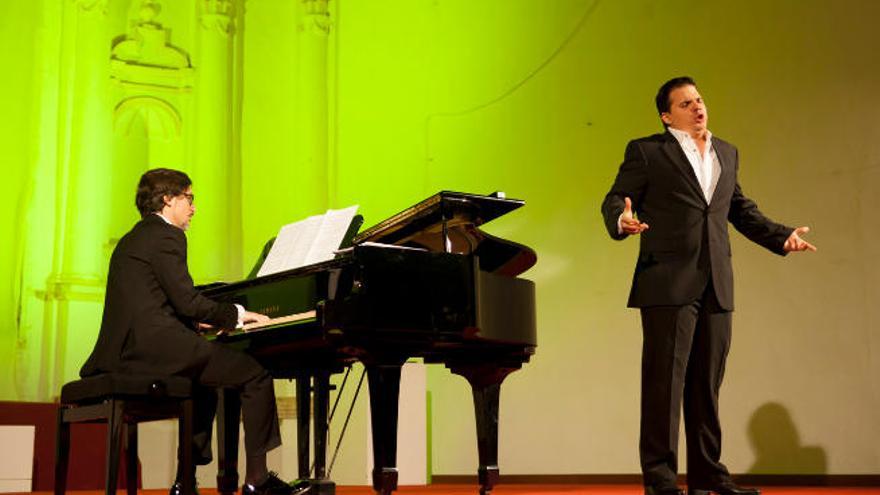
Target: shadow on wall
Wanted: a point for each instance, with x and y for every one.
(777, 445)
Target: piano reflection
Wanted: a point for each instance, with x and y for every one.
(425, 283)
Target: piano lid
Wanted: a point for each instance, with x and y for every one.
(447, 221)
(454, 207)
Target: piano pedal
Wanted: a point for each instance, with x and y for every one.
(314, 487)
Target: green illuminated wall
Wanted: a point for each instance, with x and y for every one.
(283, 108)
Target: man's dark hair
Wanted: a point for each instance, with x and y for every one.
(155, 185)
(662, 99)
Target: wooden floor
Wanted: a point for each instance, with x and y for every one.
(534, 490)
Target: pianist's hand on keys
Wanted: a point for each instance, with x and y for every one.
(257, 321)
(251, 317)
(248, 320)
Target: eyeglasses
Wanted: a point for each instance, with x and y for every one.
(189, 197)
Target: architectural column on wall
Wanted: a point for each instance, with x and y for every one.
(151, 90)
(216, 233)
(75, 289)
(313, 108)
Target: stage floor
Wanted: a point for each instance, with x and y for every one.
(533, 490)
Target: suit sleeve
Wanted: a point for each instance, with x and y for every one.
(169, 262)
(630, 183)
(749, 221)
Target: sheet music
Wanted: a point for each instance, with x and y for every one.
(308, 241)
(334, 225)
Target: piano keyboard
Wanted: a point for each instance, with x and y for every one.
(250, 327)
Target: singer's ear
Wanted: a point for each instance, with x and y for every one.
(666, 118)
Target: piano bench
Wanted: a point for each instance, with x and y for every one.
(122, 401)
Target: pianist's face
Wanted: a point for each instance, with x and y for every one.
(179, 209)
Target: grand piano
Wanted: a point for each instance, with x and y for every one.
(425, 283)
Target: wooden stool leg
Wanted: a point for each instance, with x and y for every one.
(62, 452)
(185, 438)
(131, 458)
(114, 432)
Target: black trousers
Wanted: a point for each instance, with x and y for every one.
(229, 368)
(683, 357)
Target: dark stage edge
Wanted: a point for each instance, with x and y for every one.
(531, 489)
(842, 480)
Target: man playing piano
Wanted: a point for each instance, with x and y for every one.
(151, 313)
(683, 185)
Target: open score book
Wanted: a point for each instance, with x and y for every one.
(308, 241)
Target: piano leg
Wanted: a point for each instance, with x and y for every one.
(322, 409)
(384, 381)
(303, 415)
(486, 413)
(485, 380)
(228, 418)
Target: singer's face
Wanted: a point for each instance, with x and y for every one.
(687, 112)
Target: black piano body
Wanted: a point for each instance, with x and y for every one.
(436, 287)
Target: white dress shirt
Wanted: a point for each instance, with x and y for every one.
(706, 166)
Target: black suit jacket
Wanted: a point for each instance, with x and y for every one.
(687, 240)
(151, 307)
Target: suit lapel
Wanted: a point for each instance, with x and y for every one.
(673, 150)
(725, 163)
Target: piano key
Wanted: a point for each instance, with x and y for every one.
(251, 327)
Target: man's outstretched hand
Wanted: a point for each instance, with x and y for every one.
(628, 223)
(795, 243)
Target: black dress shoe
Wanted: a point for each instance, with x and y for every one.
(727, 488)
(274, 486)
(657, 490)
(177, 488)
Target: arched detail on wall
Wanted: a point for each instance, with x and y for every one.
(161, 119)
